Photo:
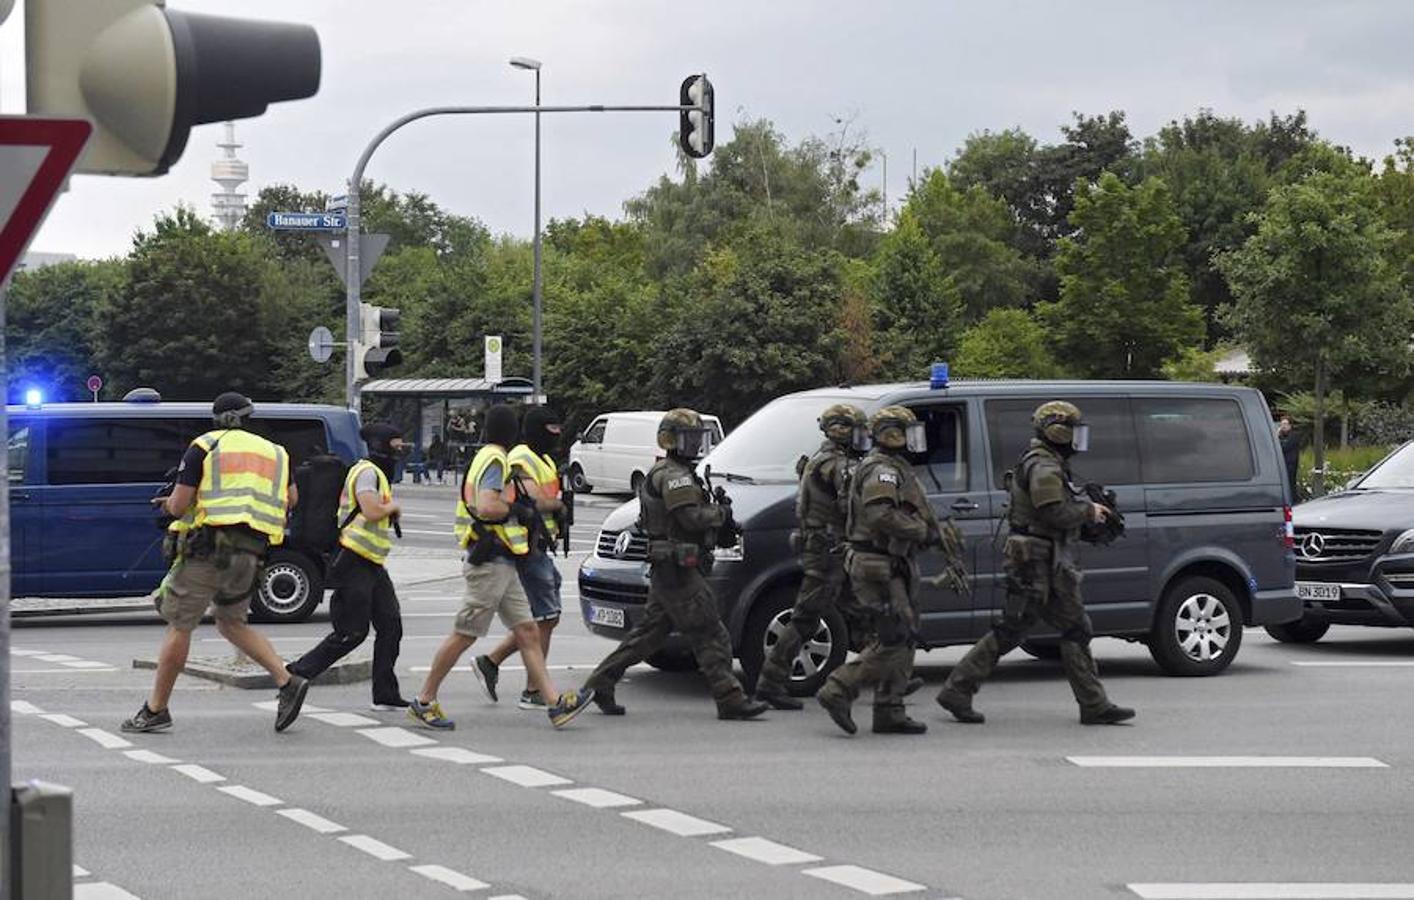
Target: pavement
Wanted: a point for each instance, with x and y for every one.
(1288, 776)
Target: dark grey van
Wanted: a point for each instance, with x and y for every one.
(1196, 469)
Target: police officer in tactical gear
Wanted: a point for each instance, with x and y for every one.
(683, 526)
(1042, 576)
(889, 522)
(822, 506)
(228, 506)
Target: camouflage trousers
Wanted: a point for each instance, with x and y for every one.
(819, 591)
(1039, 588)
(884, 587)
(681, 600)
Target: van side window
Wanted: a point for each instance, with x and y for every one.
(1113, 457)
(595, 434)
(1187, 439)
(301, 438)
(19, 451)
(114, 451)
(943, 466)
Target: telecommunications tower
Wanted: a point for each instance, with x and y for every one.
(227, 205)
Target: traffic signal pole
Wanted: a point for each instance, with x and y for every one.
(354, 287)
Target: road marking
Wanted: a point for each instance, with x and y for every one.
(273, 705)
(88, 664)
(674, 822)
(1273, 891)
(57, 657)
(16, 651)
(526, 776)
(375, 848)
(61, 719)
(875, 884)
(106, 740)
(453, 879)
(240, 792)
(768, 852)
(61, 671)
(147, 756)
(343, 719)
(24, 708)
(81, 872)
(408, 515)
(310, 820)
(446, 532)
(1360, 663)
(1228, 762)
(102, 890)
(597, 797)
(199, 774)
(395, 737)
(459, 755)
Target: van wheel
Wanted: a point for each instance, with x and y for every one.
(291, 587)
(1041, 649)
(578, 482)
(818, 657)
(1198, 628)
(635, 481)
(1305, 630)
(672, 661)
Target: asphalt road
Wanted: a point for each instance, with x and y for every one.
(1294, 773)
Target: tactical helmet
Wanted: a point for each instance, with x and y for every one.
(231, 409)
(897, 428)
(1059, 423)
(840, 421)
(682, 434)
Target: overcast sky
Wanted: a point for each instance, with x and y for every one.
(916, 75)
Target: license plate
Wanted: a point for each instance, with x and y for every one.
(606, 615)
(1317, 590)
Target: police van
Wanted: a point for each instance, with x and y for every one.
(1195, 467)
(82, 477)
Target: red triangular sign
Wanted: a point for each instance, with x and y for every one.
(36, 156)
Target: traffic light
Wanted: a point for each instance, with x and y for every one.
(695, 128)
(144, 74)
(379, 348)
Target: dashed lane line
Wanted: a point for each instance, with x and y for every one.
(151, 758)
(343, 719)
(25, 708)
(452, 879)
(599, 798)
(199, 774)
(310, 820)
(69, 671)
(674, 822)
(57, 658)
(1273, 891)
(65, 721)
(81, 872)
(395, 737)
(1227, 762)
(101, 890)
(250, 795)
(875, 884)
(525, 776)
(1353, 663)
(458, 755)
(105, 739)
(766, 851)
(375, 848)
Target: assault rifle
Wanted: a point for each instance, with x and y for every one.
(1110, 530)
(565, 517)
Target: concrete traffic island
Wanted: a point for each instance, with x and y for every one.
(241, 672)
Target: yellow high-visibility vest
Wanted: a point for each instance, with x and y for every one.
(371, 540)
(468, 527)
(245, 480)
(543, 471)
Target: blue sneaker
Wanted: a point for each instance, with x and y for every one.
(569, 705)
(429, 715)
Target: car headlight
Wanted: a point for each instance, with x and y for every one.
(728, 554)
(1404, 543)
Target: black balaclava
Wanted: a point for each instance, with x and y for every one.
(541, 430)
(501, 427)
(379, 437)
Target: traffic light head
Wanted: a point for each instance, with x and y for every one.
(145, 74)
(695, 127)
(378, 350)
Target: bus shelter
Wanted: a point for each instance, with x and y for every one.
(441, 417)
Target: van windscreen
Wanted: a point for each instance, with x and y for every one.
(767, 445)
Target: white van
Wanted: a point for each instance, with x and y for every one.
(617, 450)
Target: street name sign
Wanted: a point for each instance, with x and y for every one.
(301, 221)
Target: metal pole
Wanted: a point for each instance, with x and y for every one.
(886, 185)
(354, 285)
(535, 289)
(6, 873)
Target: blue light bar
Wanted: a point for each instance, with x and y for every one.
(938, 376)
(34, 398)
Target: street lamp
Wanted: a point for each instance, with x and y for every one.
(533, 65)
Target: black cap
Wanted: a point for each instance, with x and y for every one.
(232, 402)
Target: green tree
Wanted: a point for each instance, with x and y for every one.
(50, 329)
(919, 308)
(1007, 343)
(1123, 308)
(1315, 289)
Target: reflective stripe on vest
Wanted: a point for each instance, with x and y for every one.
(371, 540)
(468, 527)
(541, 470)
(245, 480)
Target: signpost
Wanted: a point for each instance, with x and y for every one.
(95, 384)
(303, 221)
(493, 358)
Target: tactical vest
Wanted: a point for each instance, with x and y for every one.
(1021, 511)
(543, 471)
(816, 505)
(469, 527)
(911, 496)
(371, 540)
(658, 523)
(245, 480)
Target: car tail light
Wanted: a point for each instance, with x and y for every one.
(1288, 531)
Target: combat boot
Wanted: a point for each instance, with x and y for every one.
(605, 701)
(740, 707)
(893, 720)
(838, 708)
(776, 696)
(960, 705)
(1110, 715)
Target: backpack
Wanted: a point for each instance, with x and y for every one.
(314, 522)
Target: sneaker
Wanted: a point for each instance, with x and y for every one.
(531, 700)
(429, 715)
(392, 705)
(289, 701)
(487, 673)
(147, 720)
(569, 705)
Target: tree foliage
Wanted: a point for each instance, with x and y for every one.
(1007, 343)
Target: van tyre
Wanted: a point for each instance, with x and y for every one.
(822, 652)
(1197, 629)
(635, 481)
(578, 483)
(1305, 630)
(291, 587)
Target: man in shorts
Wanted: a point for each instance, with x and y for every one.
(232, 494)
(493, 524)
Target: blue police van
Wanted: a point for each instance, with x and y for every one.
(82, 477)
